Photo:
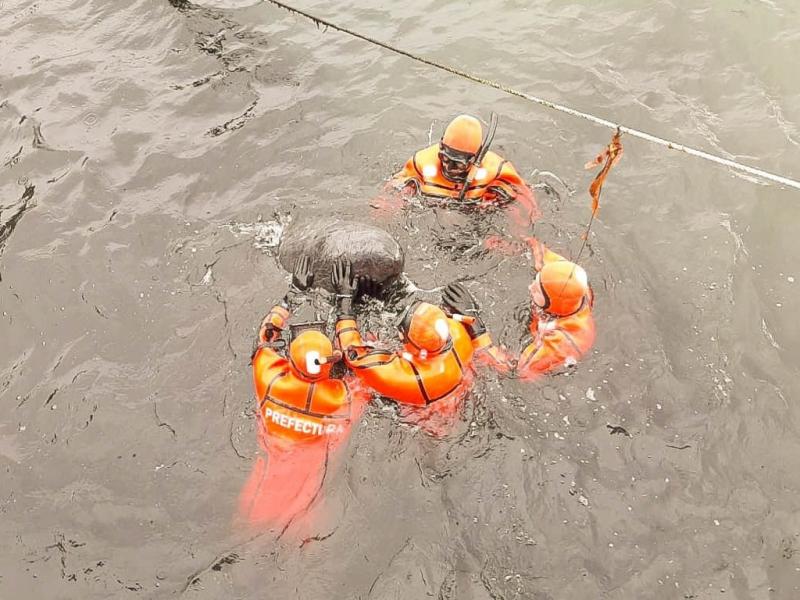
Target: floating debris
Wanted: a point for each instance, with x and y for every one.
(618, 429)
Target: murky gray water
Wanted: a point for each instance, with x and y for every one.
(142, 142)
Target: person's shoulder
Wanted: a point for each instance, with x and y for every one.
(266, 357)
(425, 162)
(577, 321)
(492, 158)
(499, 166)
(427, 154)
(420, 162)
(495, 167)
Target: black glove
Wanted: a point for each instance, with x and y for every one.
(457, 300)
(302, 279)
(368, 286)
(345, 286)
(303, 276)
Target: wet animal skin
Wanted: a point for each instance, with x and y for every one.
(372, 251)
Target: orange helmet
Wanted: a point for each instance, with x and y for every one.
(424, 327)
(464, 133)
(309, 355)
(564, 286)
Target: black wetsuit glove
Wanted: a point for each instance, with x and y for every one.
(368, 286)
(302, 279)
(457, 300)
(345, 285)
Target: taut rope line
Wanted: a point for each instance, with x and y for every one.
(553, 105)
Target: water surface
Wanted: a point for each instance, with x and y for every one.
(148, 151)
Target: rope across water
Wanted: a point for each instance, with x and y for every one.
(780, 179)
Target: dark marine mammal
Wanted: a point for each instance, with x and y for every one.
(372, 251)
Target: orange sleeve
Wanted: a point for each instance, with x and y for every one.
(384, 371)
(509, 186)
(347, 334)
(356, 353)
(488, 354)
(541, 254)
(388, 374)
(277, 317)
(268, 333)
(377, 368)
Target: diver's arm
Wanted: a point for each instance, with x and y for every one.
(486, 352)
(347, 334)
(273, 323)
(462, 307)
(266, 352)
(508, 188)
(345, 286)
(357, 353)
(384, 371)
(465, 310)
(277, 318)
(541, 254)
(388, 373)
(302, 280)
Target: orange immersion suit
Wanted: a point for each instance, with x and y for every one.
(430, 389)
(404, 376)
(558, 341)
(496, 181)
(303, 422)
(294, 408)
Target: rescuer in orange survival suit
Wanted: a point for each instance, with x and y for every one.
(561, 315)
(433, 371)
(441, 171)
(304, 413)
